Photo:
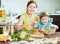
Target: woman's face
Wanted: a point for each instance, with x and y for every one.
(44, 20)
(31, 8)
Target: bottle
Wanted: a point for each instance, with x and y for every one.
(11, 28)
(2, 13)
(5, 31)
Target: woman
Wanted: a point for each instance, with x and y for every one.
(27, 20)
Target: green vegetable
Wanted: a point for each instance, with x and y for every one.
(16, 35)
(27, 36)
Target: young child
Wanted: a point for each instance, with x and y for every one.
(44, 22)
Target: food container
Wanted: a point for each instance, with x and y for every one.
(49, 31)
(2, 13)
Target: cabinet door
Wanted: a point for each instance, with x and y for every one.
(1, 30)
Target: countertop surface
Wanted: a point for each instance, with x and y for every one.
(57, 34)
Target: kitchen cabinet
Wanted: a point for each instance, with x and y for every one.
(56, 20)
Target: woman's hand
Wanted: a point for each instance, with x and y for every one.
(29, 27)
(22, 35)
(20, 22)
(38, 30)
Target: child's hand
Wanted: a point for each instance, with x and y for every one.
(54, 26)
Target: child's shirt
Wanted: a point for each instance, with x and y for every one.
(40, 25)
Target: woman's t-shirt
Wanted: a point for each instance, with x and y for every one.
(26, 21)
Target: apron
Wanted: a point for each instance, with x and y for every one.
(26, 22)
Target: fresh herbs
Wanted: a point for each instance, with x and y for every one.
(16, 35)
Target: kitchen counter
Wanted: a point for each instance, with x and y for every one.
(57, 34)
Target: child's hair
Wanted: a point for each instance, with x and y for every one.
(43, 14)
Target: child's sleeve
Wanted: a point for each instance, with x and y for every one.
(47, 25)
(38, 25)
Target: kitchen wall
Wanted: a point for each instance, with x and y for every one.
(15, 6)
(19, 6)
(48, 5)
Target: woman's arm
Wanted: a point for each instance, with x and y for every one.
(35, 22)
(20, 22)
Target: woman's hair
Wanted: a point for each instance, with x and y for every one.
(43, 14)
(31, 2)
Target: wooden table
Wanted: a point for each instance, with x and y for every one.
(57, 34)
(2, 42)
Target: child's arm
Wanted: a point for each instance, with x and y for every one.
(55, 26)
